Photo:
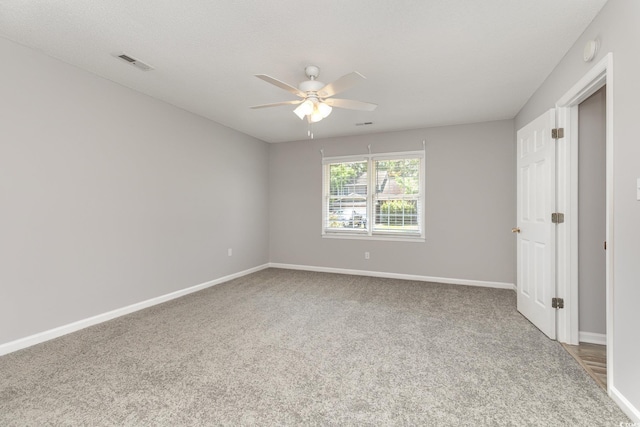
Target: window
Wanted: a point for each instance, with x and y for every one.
(374, 196)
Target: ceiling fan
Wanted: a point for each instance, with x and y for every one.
(316, 102)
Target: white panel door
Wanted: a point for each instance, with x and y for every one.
(536, 239)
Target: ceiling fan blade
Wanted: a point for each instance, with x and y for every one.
(342, 84)
(350, 104)
(281, 85)
(277, 104)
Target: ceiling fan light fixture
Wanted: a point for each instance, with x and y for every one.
(320, 111)
(324, 109)
(298, 113)
(304, 109)
(316, 116)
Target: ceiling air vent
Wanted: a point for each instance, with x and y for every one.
(364, 124)
(135, 62)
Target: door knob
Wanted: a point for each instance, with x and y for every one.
(515, 230)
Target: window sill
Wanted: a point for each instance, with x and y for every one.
(387, 237)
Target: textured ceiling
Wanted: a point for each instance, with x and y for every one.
(427, 63)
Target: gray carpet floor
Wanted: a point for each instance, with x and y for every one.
(285, 347)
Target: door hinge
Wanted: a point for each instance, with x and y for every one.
(557, 303)
(557, 218)
(557, 133)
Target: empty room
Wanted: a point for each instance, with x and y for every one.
(319, 213)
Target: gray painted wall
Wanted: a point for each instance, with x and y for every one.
(109, 197)
(616, 26)
(470, 204)
(591, 213)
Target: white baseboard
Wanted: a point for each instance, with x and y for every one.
(466, 282)
(94, 320)
(40, 337)
(592, 338)
(630, 411)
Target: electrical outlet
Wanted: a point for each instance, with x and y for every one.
(366, 255)
(229, 251)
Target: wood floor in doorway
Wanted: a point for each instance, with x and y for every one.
(593, 358)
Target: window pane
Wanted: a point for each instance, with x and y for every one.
(397, 215)
(397, 197)
(347, 198)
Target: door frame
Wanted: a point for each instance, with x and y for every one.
(567, 202)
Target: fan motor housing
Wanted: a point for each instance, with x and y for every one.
(311, 86)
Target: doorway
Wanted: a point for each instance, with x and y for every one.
(592, 291)
(567, 108)
(590, 353)
(563, 284)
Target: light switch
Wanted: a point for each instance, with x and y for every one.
(638, 189)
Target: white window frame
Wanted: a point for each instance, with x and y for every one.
(368, 233)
